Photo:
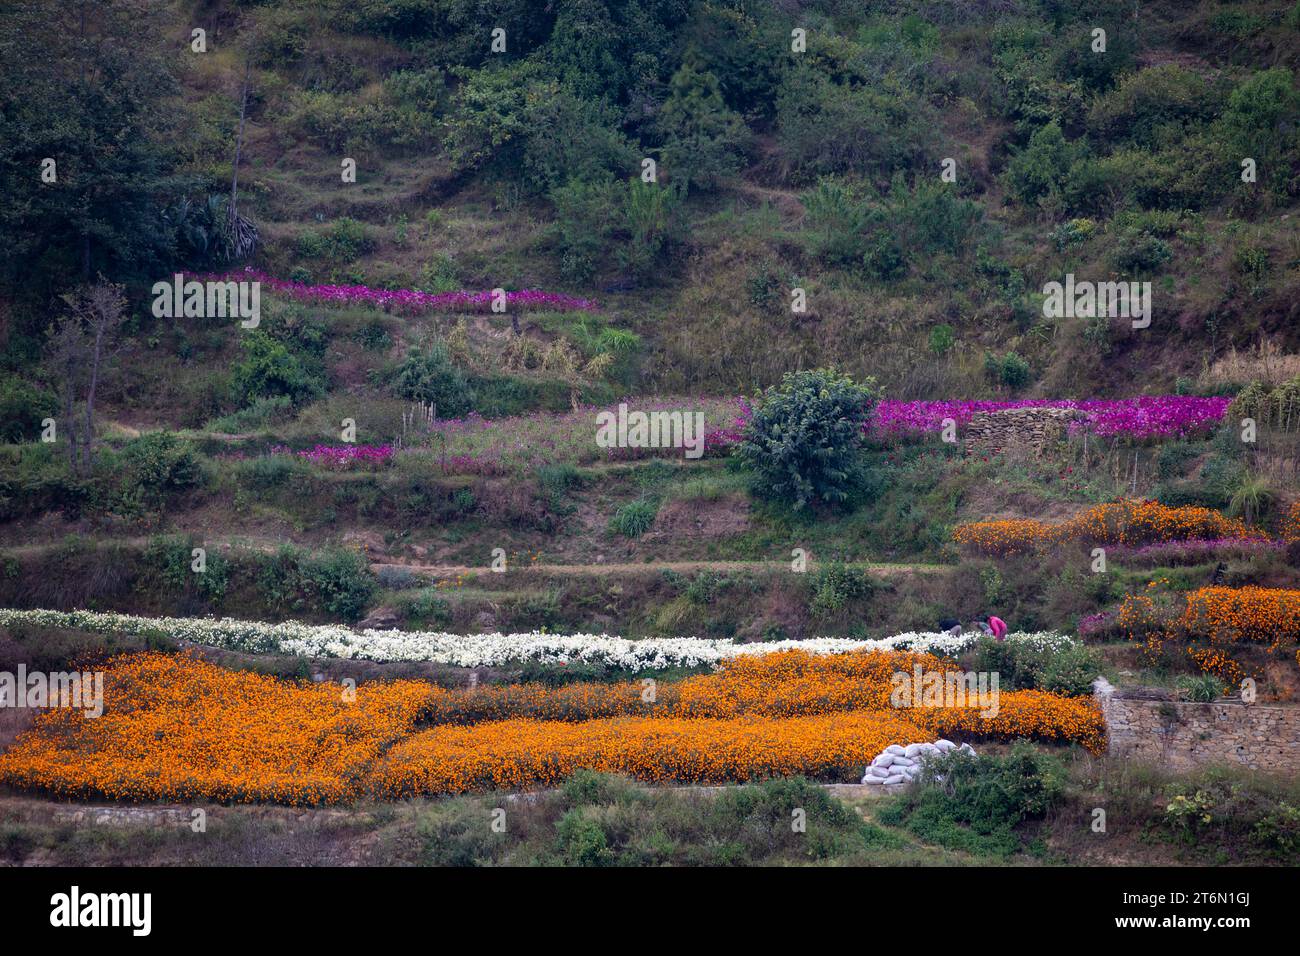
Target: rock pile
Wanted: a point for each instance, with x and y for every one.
(1026, 431)
(898, 764)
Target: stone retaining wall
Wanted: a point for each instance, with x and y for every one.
(1017, 431)
(1181, 734)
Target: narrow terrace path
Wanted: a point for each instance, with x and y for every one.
(577, 570)
(654, 567)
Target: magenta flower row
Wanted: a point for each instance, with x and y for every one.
(407, 301)
(341, 456)
(1146, 416)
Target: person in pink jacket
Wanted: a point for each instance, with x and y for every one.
(998, 627)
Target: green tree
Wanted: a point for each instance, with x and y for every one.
(87, 89)
(804, 441)
(1039, 169)
(704, 141)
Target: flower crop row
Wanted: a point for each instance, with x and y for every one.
(1124, 523)
(1220, 615)
(176, 728)
(1291, 524)
(409, 301)
(345, 456)
(474, 650)
(791, 684)
(520, 753)
(1146, 416)
(524, 753)
(1212, 620)
(179, 728)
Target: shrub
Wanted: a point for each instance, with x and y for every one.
(1039, 170)
(1141, 253)
(1204, 688)
(1153, 108)
(1259, 113)
(1067, 669)
(585, 213)
(1095, 71)
(937, 219)
(159, 463)
(573, 140)
(975, 803)
(1010, 370)
(826, 127)
(429, 375)
(22, 408)
(942, 339)
(269, 369)
(704, 141)
(803, 442)
(836, 224)
(835, 586)
(340, 580)
(634, 518)
(651, 223)
(345, 241)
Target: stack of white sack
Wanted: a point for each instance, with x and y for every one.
(899, 764)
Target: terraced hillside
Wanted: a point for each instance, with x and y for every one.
(396, 392)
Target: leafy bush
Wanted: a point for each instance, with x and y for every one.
(1039, 170)
(803, 443)
(651, 223)
(429, 375)
(975, 804)
(704, 141)
(22, 408)
(340, 581)
(835, 227)
(634, 518)
(573, 140)
(1010, 370)
(1141, 253)
(1095, 71)
(158, 463)
(825, 127)
(1069, 669)
(1153, 108)
(942, 339)
(835, 586)
(584, 213)
(269, 369)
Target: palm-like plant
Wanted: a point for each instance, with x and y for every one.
(1251, 499)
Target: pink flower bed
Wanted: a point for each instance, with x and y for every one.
(345, 456)
(407, 301)
(1147, 416)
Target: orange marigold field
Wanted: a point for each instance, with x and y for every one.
(1219, 617)
(1225, 615)
(789, 684)
(516, 754)
(1035, 714)
(1291, 524)
(177, 728)
(180, 728)
(1128, 523)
